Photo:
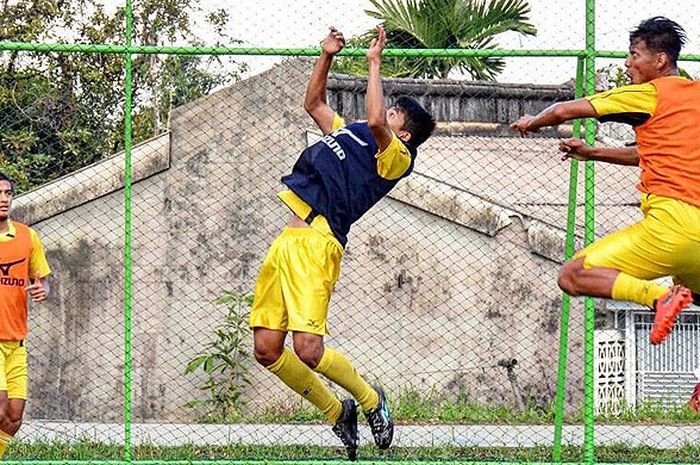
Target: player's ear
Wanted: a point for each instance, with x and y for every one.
(404, 135)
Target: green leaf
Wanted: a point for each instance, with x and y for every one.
(441, 24)
(195, 363)
(193, 404)
(209, 364)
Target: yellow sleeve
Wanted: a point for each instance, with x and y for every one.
(631, 104)
(338, 123)
(37, 260)
(393, 162)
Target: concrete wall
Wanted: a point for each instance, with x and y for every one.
(449, 100)
(427, 297)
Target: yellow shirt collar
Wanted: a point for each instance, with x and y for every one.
(11, 230)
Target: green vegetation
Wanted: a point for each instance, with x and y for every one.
(441, 24)
(62, 111)
(413, 406)
(225, 361)
(614, 75)
(91, 450)
(410, 407)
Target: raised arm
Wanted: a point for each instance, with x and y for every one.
(374, 102)
(555, 114)
(574, 148)
(315, 102)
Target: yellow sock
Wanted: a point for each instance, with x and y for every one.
(337, 368)
(295, 374)
(4, 443)
(633, 289)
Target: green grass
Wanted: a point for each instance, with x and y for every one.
(96, 451)
(410, 407)
(653, 413)
(413, 407)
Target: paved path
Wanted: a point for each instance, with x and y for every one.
(175, 434)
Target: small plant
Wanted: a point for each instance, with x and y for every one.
(613, 76)
(225, 362)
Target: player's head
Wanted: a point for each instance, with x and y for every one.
(409, 121)
(6, 194)
(654, 48)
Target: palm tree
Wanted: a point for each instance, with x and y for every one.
(442, 24)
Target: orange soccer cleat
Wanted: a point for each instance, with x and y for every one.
(694, 402)
(667, 309)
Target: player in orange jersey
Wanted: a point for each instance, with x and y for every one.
(664, 109)
(23, 271)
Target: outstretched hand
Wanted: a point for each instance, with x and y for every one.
(376, 46)
(36, 290)
(576, 149)
(334, 42)
(523, 125)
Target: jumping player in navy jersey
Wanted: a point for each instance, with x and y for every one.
(333, 183)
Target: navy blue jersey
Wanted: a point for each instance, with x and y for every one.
(337, 176)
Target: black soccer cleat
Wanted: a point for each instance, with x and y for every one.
(380, 422)
(346, 428)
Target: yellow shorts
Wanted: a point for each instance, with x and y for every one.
(665, 243)
(13, 369)
(296, 281)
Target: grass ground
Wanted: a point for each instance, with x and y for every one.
(88, 450)
(415, 407)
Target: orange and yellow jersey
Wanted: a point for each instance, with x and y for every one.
(21, 258)
(392, 163)
(665, 113)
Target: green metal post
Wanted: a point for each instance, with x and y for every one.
(589, 326)
(566, 299)
(127, 235)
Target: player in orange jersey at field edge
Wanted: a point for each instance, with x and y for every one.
(23, 271)
(664, 109)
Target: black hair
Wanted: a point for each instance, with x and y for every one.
(419, 123)
(4, 177)
(660, 34)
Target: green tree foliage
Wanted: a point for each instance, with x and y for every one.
(441, 24)
(62, 111)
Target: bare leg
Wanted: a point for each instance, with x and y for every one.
(268, 345)
(576, 280)
(309, 347)
(13, 419)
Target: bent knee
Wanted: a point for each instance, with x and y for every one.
(566, 284)
(310, 354)
(568, 277)
(11, 422)
(14, 425)
(14, 417)
(266, 355)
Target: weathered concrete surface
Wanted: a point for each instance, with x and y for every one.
(452, 204)
(93, 181)
(450, 100)
(439, 281)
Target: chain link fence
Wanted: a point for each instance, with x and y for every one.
(156, 222)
